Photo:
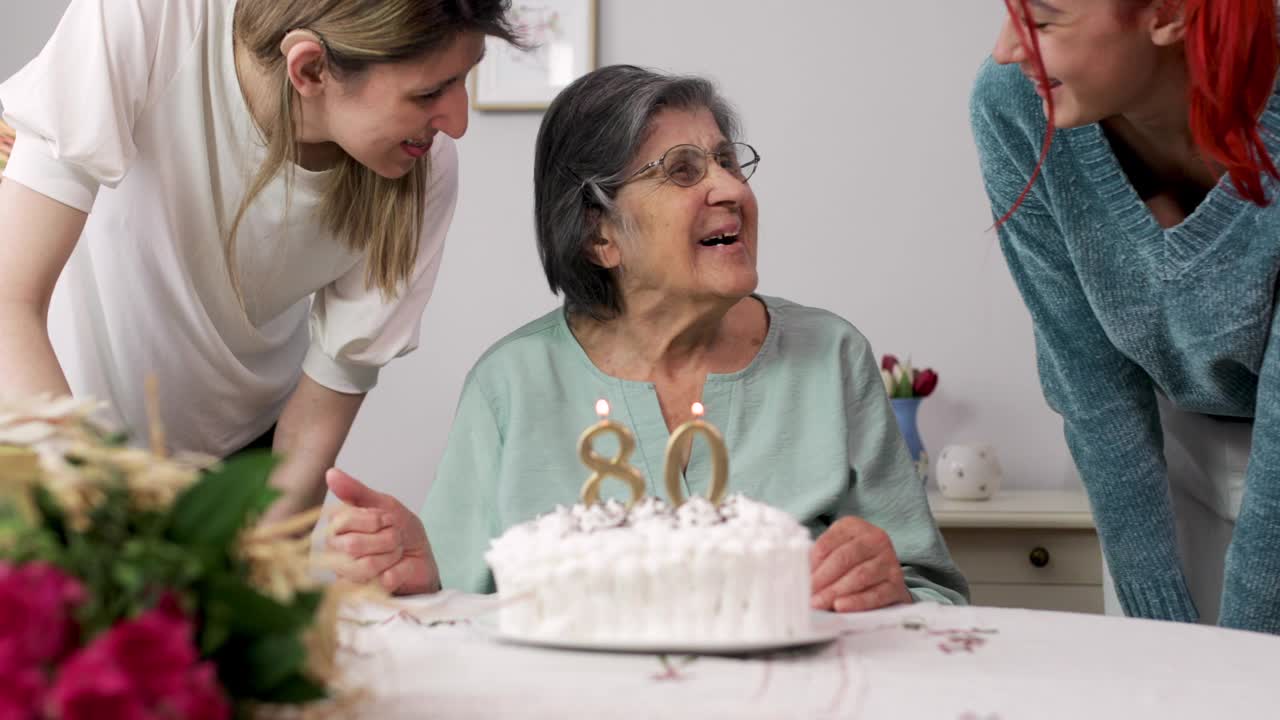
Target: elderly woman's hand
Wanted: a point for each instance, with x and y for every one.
(855, 568)
(383, 540)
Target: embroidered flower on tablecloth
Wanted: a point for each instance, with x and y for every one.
(671, 670)
(955, 641)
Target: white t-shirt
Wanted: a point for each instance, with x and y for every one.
(133, 110)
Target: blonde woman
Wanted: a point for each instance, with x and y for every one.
(245, 199)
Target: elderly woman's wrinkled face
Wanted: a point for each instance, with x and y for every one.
(693, 243)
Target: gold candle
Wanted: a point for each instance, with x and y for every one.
(674, 463)
(616, 466)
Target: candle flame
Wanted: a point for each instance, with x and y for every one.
(602, 408)
(698, 409)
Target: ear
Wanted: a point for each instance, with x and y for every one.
(1167, 22)
(602, 248)
(304, 58)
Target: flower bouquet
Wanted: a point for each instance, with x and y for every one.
(906, 387)
(133, 585)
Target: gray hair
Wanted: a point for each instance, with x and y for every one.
(588, 139)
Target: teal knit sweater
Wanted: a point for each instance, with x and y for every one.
(1124, 309)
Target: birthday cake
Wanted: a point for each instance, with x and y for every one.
(737, 570)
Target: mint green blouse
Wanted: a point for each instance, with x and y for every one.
(808, 427)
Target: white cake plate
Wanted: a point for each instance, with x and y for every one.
(824, 628)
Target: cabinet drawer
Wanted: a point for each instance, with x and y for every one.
(1011, 556)
(1063, 598)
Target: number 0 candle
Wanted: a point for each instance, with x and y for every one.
(674, 463)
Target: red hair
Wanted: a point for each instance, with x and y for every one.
(1031, 43)
(1232, 58)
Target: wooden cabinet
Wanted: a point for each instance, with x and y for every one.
(1025, 548)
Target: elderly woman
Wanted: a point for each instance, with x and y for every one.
(647, 225)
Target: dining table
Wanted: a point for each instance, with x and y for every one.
(443, 656)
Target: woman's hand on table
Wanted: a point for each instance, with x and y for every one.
(383, 540)
(854, 567)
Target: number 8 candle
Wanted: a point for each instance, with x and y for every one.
(617, 466)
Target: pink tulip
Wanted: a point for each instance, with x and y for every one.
(924, 383)
(889, 362)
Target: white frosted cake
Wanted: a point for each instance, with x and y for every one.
(738, 571)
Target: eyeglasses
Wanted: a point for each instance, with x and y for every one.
(686, 165)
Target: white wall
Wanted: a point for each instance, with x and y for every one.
(871, 206)
(24, 26)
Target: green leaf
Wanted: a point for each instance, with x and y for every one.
(308, 603)
(131, 577)
(903, 388)
(13, 526)
(272, 659)
(34, 545)
(253, 613)
(295, 691)
(268, 496)
(251, 667)
(115, 439)
(149, 523)
(51, 516)
(215, 629)
(215, 508)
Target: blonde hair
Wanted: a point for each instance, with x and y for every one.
(373, 215)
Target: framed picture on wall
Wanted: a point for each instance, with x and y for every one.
(562, 34)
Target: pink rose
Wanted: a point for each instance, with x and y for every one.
(154, 650)
(144, 668)
(92, 685)
(200, 699)
(36, 603)
(925, 381)
(22, 684)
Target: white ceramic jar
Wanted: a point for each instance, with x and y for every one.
(969, 472)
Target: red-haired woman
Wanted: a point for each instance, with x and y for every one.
(1145, 239)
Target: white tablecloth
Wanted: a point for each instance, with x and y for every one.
(431, 659)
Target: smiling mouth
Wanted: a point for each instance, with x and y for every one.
(719, 240)
(1053, 83)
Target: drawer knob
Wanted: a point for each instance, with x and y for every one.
(1039, 557)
